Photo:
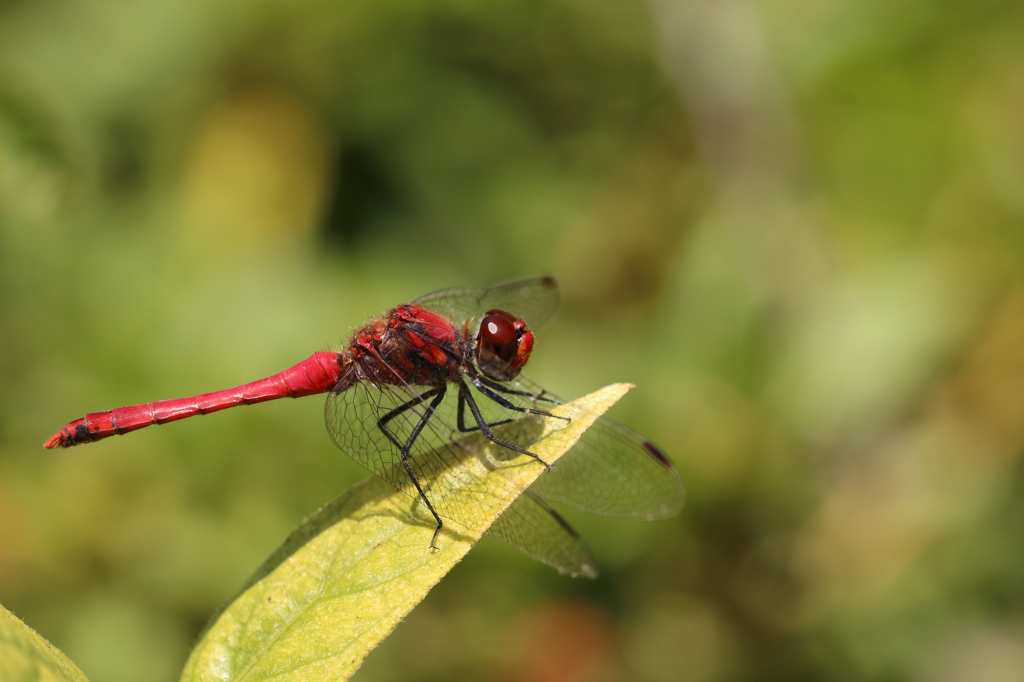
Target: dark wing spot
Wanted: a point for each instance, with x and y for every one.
(656, 452)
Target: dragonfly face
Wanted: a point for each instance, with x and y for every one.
(503, 345)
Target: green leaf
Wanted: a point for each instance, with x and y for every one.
(27, 657)
(348, 575)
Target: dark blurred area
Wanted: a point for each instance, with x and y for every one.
(797, 226)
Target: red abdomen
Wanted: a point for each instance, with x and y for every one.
(316, 374)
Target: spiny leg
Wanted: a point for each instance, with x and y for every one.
(494, 385)
(507, 404)
(461, 421)
(407, 448)
(404, 408)
(486, 430)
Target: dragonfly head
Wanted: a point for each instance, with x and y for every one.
(503, 345)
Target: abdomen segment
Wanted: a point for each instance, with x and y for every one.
(316, 374)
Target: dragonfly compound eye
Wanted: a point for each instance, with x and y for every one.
(503, 345)
(497, 329)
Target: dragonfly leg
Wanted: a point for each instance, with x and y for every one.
(507, 404)
(438, 394)
(405, 407)
(461, 421)
(494, 385)
(486, 430)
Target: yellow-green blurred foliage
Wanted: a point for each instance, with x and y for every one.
(797, 226)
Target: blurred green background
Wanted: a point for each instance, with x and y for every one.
(796, 225)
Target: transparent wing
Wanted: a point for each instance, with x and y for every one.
(612, 471)
(358, 417)
(538, 531)
(532, 300)
(372, 423)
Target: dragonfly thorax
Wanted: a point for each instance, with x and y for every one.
(410, 345)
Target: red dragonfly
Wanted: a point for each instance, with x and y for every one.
(422, 377)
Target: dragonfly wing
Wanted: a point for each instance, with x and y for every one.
(539, 532)
(612, 470)
(532, 300)
(361, 418)
(372, 422)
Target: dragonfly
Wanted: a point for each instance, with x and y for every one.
(425, 376)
